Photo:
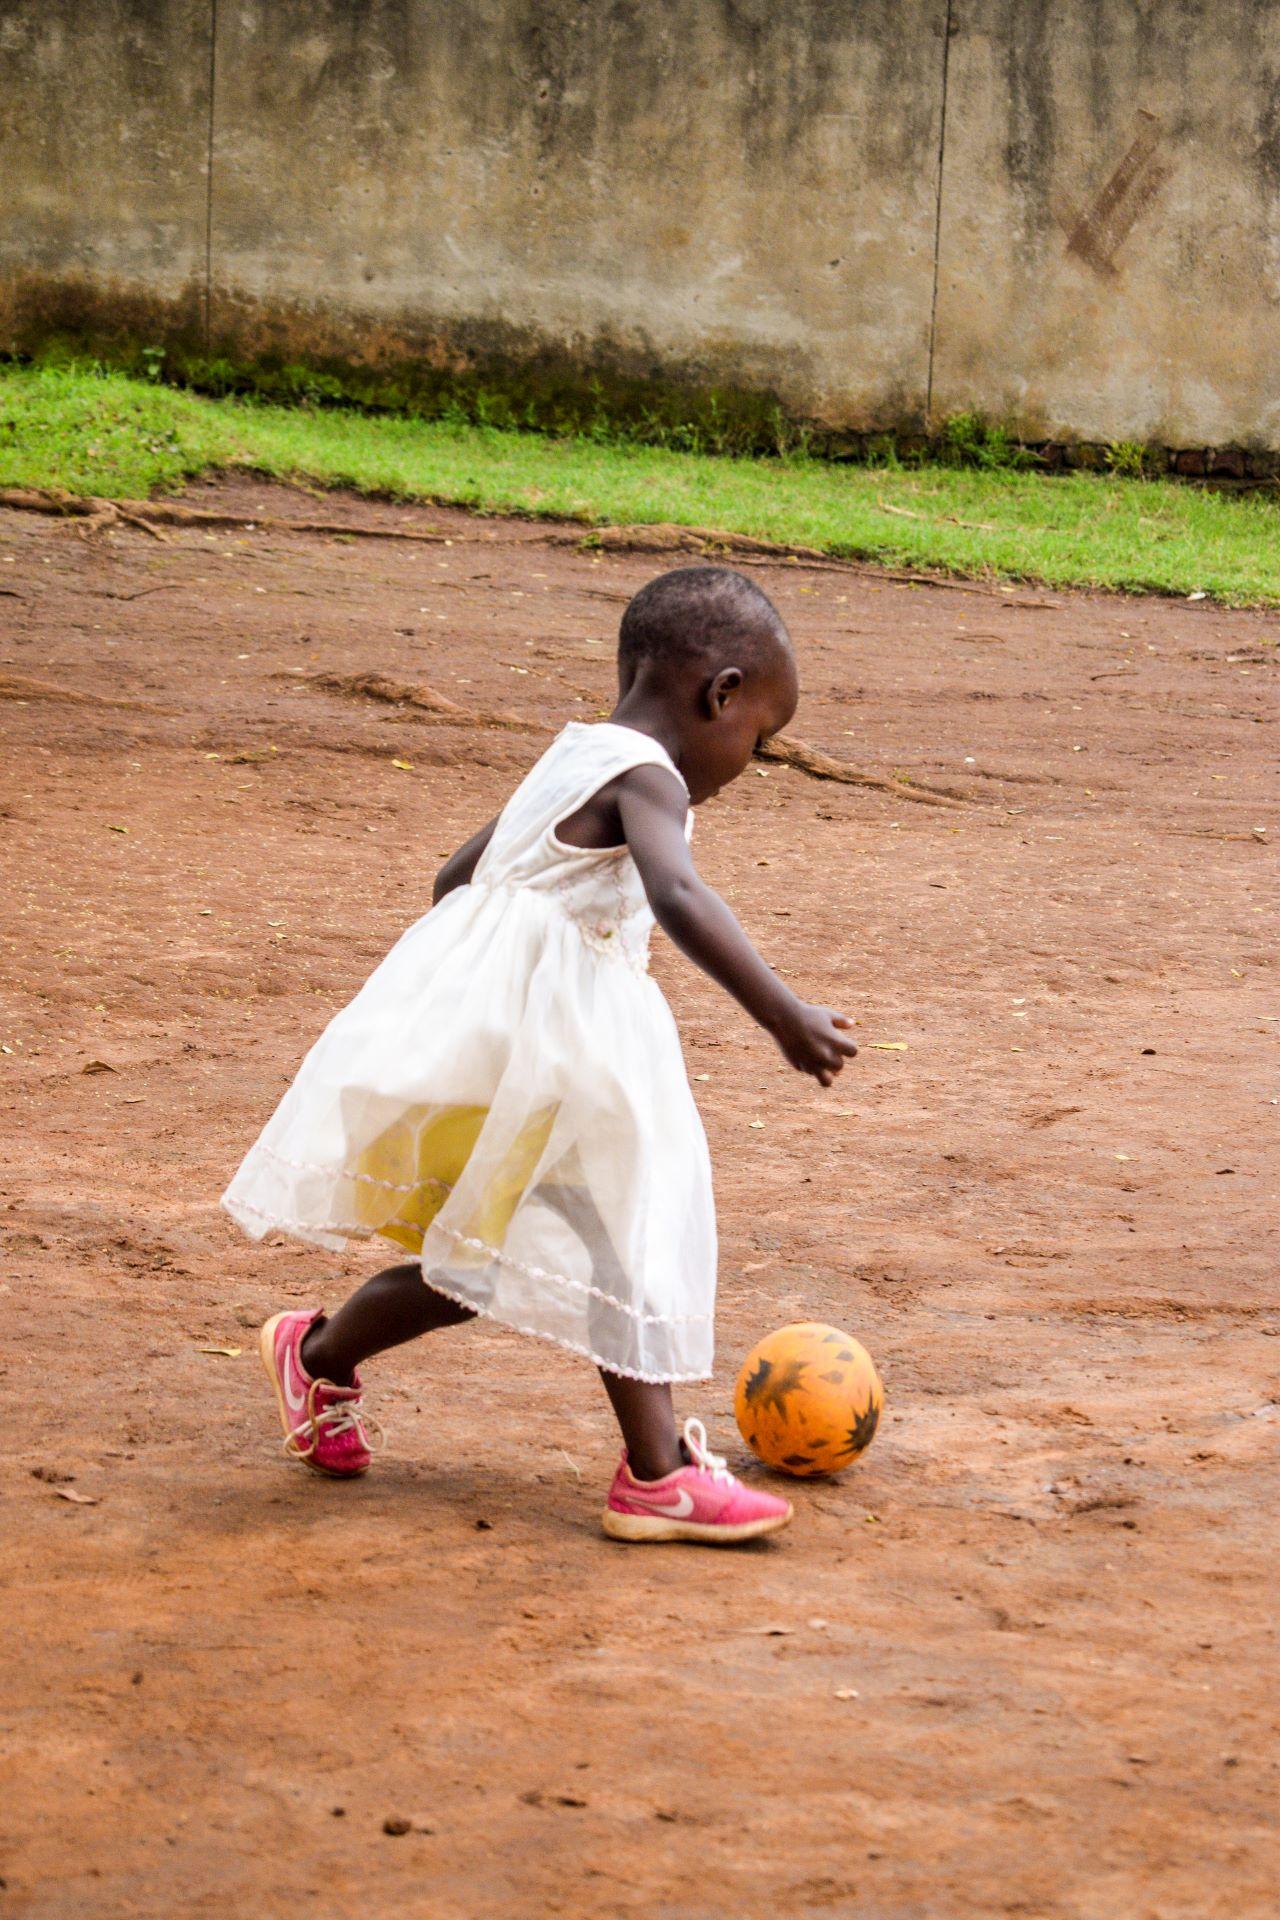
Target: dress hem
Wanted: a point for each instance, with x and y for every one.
(571, 1346)
(336, 1234)
(333, 1242)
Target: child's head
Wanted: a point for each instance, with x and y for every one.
(708, 647)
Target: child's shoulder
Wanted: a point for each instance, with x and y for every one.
(609, 742)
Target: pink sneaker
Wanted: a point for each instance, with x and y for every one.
(702, 1501)
(324, 1426)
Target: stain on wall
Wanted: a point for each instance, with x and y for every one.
(719, 203)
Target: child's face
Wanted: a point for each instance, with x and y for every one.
(736, 714)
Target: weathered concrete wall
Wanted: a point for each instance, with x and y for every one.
(1062, 213)
(1110, 235)
(646, 187)
(104, 116)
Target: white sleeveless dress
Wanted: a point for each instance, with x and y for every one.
(506, 1098)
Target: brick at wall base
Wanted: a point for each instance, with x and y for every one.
(1187, 463)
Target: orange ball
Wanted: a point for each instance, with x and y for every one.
(808, 1399)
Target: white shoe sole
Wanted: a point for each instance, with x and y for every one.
(638, 1527)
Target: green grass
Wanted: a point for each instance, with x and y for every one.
(93, 432)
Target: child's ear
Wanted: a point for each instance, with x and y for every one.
(721, 690)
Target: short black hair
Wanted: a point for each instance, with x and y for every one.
(702, 613)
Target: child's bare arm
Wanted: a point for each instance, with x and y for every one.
(459, 867)
(652, 809)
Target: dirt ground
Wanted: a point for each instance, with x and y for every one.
(1041, 1197)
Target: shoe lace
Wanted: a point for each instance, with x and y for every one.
(695, 1440)
(340, 1416)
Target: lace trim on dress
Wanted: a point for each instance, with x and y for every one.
(361, 1230)
(564, 1280)
(540, 1333)
(314, 1166)
(314, 1236)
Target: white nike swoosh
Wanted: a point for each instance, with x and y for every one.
(681, 1510)
(295, 1401)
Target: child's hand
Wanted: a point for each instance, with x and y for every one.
(815, 1040)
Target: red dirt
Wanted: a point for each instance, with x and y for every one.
(1050, 1580)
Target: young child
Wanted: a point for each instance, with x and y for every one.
(506, 1098)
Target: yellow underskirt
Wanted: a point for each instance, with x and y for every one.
(427, 1150)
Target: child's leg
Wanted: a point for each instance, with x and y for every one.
(395, 1306)
(643, 1407)
(648, 1425)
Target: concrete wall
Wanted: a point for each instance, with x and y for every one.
(1062, 213)
(1110, 235)
(103, 148)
